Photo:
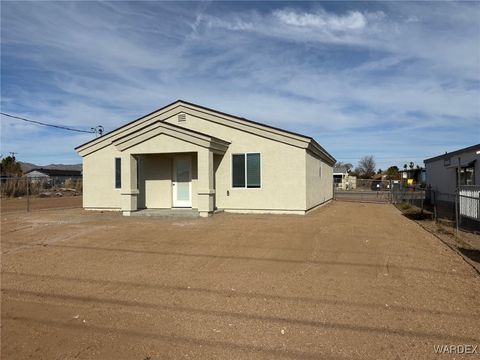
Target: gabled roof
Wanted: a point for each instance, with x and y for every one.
(160, 127)
(56, 172)
(275, 132)
(340, 169)
(472, 148)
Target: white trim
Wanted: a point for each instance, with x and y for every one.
(245, 156)
(170, 110)
(184, 203)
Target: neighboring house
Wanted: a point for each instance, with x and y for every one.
(342, 179)
(54, 176)
(413, 177)
(380, 177)
(442, 170)
(188, 156)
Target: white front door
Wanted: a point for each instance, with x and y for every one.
(182, 181)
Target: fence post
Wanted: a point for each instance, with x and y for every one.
(456, 209)
(28, 194)
(390, 194)
(459, 208)
(423, 193)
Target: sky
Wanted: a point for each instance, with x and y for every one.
(396, 80)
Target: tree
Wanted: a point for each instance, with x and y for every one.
(366, 167)
(411, 165)
(405, 166)
(10, 167)
(393, 173)
(379, 171)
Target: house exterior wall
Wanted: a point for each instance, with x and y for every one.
(283, 170)
(319, 181)
(442, 178)
(99, 180)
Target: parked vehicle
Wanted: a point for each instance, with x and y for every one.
(376, 185)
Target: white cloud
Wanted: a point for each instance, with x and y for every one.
(233, 24)
(318, 26)
(343, 72)
(322, 20)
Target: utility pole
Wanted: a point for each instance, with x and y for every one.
(98, 130)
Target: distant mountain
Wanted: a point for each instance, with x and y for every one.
(28, 166)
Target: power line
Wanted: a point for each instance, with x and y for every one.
(93, 131)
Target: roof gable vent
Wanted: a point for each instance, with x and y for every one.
(182, 117)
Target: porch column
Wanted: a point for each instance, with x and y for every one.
(206, 192)
(129, 184)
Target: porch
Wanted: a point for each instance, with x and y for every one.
(167, 167)
(180, 212)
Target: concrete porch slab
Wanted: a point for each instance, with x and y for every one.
(187, 213)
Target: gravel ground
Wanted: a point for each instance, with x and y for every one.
(20, 204)
(349, 280)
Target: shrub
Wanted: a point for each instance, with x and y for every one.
(405, 206)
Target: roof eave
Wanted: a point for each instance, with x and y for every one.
(316, 148)
(452, 153)
(78, 148)
(311, 143)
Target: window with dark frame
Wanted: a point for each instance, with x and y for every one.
(467, 175)
(246, 170)
(118, 173)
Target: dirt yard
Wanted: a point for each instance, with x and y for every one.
(349, 280)
(36, 203)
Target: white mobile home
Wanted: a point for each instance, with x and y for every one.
(442, 171)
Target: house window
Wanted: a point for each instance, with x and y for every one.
(118, 173)
(246, 170)
(467, 175)
(320, 170)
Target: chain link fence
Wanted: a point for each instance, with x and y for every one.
(460, 208)
(24, 190)
(364, 190)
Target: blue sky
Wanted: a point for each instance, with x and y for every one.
(398, 80)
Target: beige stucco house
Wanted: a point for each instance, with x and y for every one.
(188, 156)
